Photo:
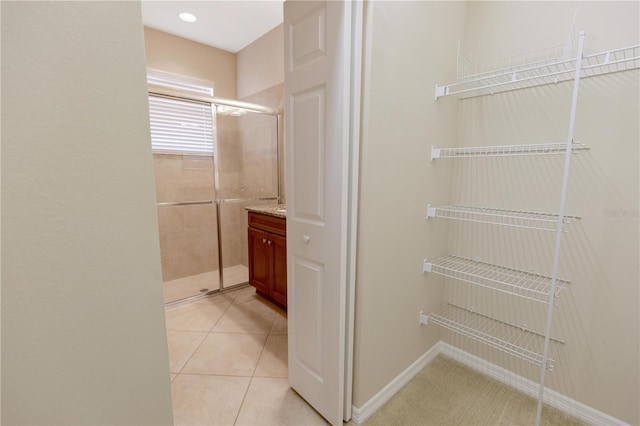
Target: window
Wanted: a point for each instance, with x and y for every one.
(180, 125)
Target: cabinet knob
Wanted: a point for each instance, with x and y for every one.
(269, 242)
(264, 240)
(306, 239)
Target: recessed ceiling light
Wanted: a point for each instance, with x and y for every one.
(187, 17)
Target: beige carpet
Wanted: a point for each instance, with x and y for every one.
(449, 393)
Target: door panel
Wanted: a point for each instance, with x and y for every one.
(308, 39)
(317, 90)
(307, 309)
(309, 157)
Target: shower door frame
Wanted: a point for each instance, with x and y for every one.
(214, 102)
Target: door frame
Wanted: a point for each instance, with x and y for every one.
(357, 43)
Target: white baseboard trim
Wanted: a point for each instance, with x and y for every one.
(528, 387)
(359, 415)
(554, 399)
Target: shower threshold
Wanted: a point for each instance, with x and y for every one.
(192, 285)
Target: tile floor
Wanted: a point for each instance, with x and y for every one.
(228, 362)
(182, 288)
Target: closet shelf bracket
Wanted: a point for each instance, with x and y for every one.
(424, 318)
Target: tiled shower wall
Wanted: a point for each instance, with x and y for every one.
(188, 234)
(273, 97)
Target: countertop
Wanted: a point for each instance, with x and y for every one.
(276, 210)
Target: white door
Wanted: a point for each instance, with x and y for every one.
(318, 116)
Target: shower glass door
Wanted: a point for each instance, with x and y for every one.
(187, 222)
(247, 175)
(210, 162)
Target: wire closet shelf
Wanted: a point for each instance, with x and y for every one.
(541, 67)
(514, 340)
(506, 150)
(525, 284)
(538, 72)
(513, 218)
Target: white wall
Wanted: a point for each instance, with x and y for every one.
(83, 320)
(261, 64)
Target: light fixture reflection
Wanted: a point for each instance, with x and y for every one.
(227, 110)
(187, 17)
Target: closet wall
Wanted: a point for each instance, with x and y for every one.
(409, 46)
(598, 315)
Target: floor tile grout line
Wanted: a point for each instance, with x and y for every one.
(198, 347)
(265, 334)
(264, 345)
(252, 376)
(215, 375)
(210, 332)
(220, 317)
(244, 398)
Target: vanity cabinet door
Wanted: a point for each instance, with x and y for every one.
(259, 260)
(279, 277)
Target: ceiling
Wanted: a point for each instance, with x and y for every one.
(226, 24)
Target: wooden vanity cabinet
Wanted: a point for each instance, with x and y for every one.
(268, 256)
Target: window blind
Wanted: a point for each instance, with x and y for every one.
(180, 126)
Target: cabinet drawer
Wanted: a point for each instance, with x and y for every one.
(268, 223)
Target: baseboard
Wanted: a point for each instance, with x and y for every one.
(526, 386)
(552, 398)
(359, 415)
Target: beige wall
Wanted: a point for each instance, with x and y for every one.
(598, 316)
(400, 123)
(166, 52)
(261, 64)
(83, 335)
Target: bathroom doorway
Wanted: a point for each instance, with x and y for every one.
(209, 165)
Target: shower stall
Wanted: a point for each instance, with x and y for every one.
(201, 196)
